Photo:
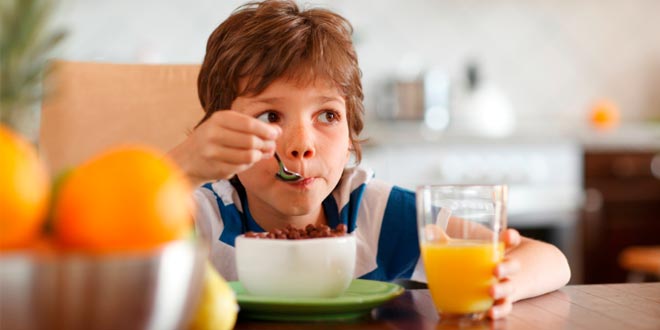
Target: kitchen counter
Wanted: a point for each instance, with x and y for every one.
(629, 135)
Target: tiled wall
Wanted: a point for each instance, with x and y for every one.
(551, 57)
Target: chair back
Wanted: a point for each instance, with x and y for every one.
(98, 105)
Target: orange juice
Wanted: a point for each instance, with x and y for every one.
(459, 273)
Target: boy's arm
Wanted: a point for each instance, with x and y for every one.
(543, 268)
(227, 143)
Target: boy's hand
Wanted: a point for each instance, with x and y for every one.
(227, 143)
(504, 289)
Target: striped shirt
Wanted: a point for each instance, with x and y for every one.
(380, 215)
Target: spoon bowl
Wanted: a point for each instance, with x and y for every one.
(284, 174)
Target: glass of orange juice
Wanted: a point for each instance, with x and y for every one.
(459, 227)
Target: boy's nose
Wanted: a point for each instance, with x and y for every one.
(300, 142)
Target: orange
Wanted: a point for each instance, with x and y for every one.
(127, 198)
(24, 191)
(604, 115)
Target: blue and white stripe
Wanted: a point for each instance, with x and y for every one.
(381, 216)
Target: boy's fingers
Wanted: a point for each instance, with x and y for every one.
(511, 237)
(268, 147)
(243, 123)
(501, 290)
(506, 268)
(268, 150)
(240, 140)
(233, 157)
(267, 155)
(500, 309)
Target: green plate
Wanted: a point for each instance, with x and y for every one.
(360, 297)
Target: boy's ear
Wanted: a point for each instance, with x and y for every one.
(348, 152)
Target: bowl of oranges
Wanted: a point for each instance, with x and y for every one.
(112, 246)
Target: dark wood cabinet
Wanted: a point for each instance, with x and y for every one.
(622, 208)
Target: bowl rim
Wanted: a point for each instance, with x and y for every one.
(242, 237)
(60, 255)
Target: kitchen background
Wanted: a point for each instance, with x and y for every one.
(538, 70)
(551, 58)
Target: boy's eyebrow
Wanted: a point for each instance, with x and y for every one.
(322, 99)
(325, 99)
(266, 100)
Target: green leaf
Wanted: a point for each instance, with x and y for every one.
(56, 187)
(26, 42)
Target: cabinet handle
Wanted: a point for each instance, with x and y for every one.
(655, 166)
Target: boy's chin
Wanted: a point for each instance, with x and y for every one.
(296, 210)
(299, 207)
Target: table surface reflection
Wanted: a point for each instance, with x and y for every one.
(608, 306)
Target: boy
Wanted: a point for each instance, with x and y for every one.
(278, 79)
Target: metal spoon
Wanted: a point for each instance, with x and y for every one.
(284, 174)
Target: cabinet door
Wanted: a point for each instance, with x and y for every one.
(622, 209)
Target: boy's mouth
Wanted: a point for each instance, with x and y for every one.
(304, 182)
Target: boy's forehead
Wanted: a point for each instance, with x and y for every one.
(323, 86)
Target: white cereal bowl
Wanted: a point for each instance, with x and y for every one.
(314, 267)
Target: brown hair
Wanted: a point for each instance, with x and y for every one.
(263, 41)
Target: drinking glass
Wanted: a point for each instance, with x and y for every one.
(459, 227)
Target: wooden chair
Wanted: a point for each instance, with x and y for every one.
(98, 105)
(641, 262)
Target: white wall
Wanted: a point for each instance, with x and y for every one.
(552, 57)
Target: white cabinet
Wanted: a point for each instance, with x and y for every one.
(544, 178)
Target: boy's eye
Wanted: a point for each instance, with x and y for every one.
(269, 117)
(328, 116)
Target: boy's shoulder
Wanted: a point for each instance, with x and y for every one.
(355, 182)
(221, 191)
(354, 177)
(362, 181)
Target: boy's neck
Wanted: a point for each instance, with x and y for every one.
(270, 222)
(269, 219)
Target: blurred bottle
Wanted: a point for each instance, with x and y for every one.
(408, 88)
(481, 108)
(436, 100)
(409, 99)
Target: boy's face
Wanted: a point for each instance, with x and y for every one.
(314, 142)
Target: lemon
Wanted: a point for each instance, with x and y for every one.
(217, 307)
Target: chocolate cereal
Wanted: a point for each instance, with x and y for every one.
(310, 231)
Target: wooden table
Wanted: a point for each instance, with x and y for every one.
(609, 306)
